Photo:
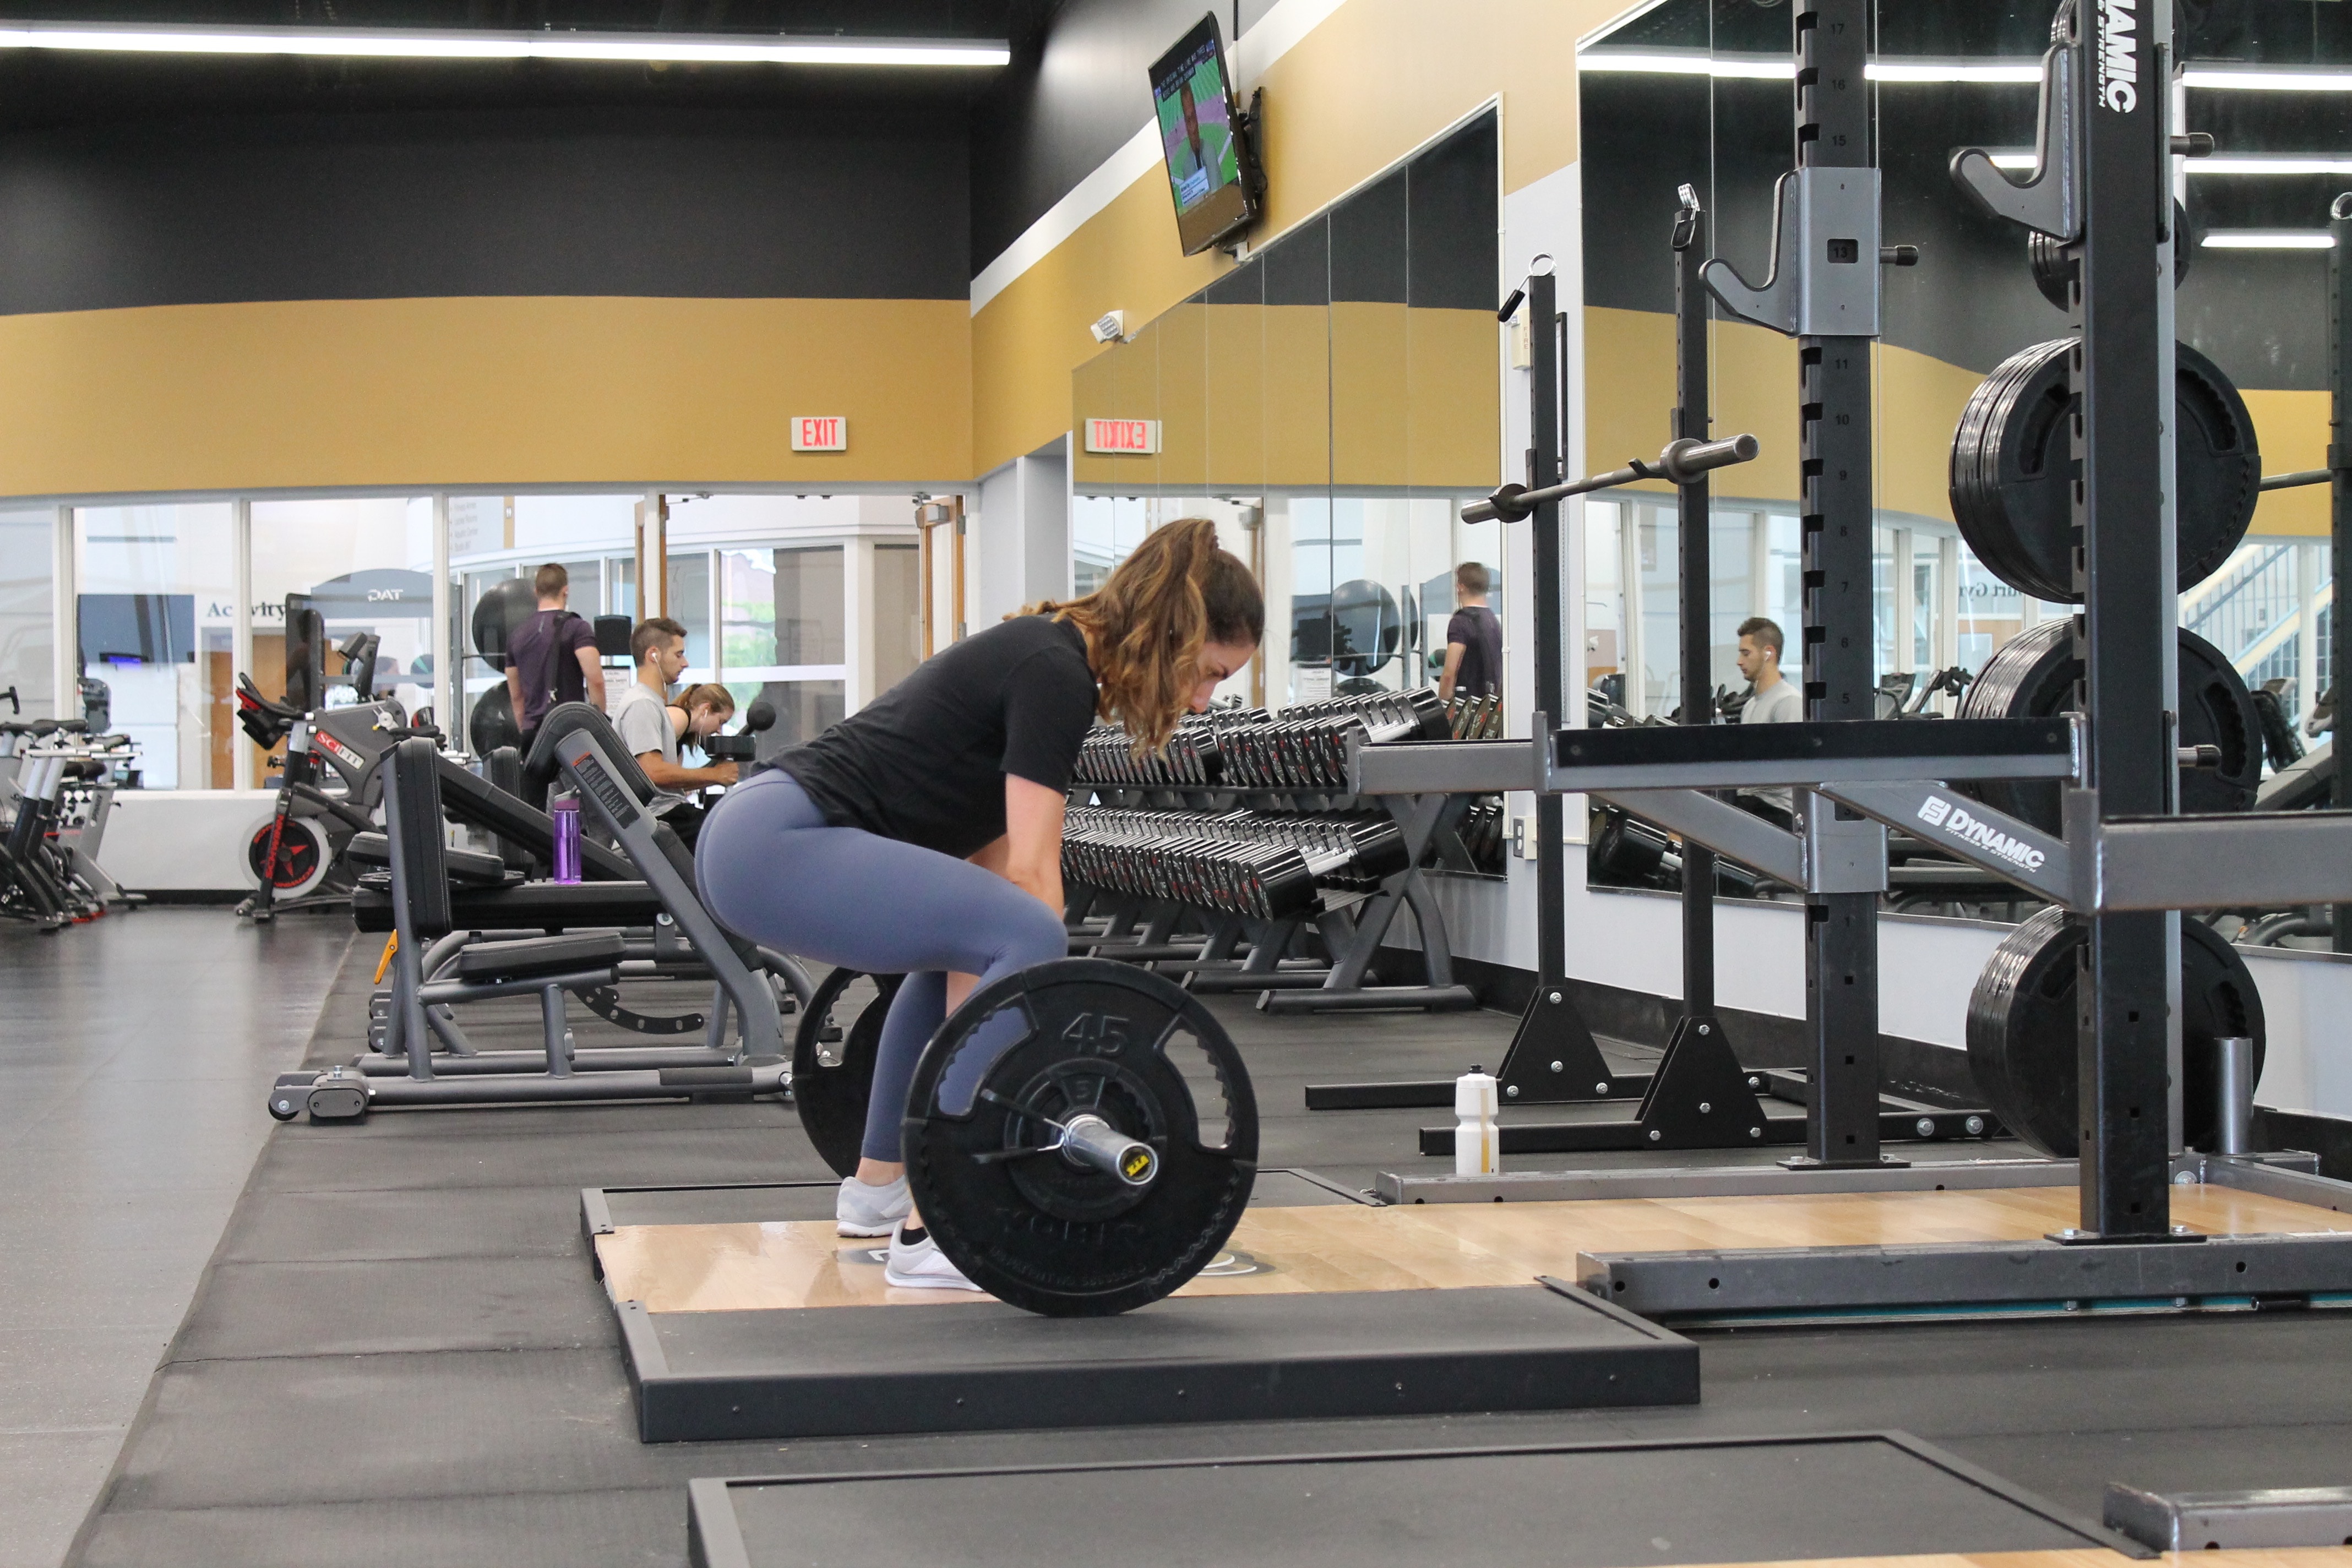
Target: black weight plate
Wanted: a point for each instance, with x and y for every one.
(2011, 473)
(2035, 674)
(2054, 269)
(492, 722)
(2022, 1038)
(498, 614)
(833, 1081)
(1035, 1229)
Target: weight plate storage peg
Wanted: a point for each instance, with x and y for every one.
(2023, 1036)
(833, 1064)
(2036, 674)
(2013, 470)
(1101, 1159)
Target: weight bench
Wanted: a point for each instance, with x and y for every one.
(428, 883)
(484, 902)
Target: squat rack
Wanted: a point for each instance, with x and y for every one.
(2126, 860)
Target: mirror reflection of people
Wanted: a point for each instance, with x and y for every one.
(652, 726)
(1771, 699)
(1473, 640)
(551, 658)
(922, 835)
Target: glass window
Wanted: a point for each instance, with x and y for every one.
(689, 606)
(157, 588)
(1103, 530)
(898, 613)
(27, 638)
(805, 708)
(807, 607)
(365, 565)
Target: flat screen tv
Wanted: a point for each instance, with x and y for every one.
(1212, 169)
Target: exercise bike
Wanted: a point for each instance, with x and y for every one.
(58, 782)
(328, 789)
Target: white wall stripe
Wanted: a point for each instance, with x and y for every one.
(1277, 33)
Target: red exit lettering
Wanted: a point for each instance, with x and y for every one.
(820, 432)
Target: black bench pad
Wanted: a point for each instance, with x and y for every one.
(540, 955)
(547, 906)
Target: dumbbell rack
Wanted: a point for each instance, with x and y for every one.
(1276, 781)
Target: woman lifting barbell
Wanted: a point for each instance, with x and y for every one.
(922, 835)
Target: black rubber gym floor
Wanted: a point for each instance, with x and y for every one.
(399, 1353)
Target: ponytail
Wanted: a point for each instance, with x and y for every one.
(1146, 626)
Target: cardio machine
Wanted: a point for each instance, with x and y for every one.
(330, 787)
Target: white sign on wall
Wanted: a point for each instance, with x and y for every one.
(820, 432)
(1123, 437)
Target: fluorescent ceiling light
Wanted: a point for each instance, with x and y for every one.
(1780, 67)
(2294, 163)
(2291, 163)
(2268, 240)
(1992, 72)
(2258, 79)
(403, 43)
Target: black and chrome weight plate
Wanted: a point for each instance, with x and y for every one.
(1102, 1159)
(2013, 470)
(2036, 673)
(833, 1049)
(2023, 1041)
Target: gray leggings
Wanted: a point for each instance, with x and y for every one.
(772, 869)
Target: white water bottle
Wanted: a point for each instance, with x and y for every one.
(1477, 1146)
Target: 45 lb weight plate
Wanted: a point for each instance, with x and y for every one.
(2036, 674)
(2013, 470)
(1081, 1138)
(2022, 1036)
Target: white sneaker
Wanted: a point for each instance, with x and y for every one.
(860, 1209)
(921, 1266)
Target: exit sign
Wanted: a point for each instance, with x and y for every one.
(1123, 435)
(820, 432)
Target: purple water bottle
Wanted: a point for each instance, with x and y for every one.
(565, 809)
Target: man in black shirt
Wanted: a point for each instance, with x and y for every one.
(551, 658)
(1473, 640)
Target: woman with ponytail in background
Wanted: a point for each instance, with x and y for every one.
(922, 835)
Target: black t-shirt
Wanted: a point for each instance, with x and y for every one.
(1481, 637)
(925, 763)
(546, 648)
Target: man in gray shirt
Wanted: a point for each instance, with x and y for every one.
(1771, 699)
(650, 727)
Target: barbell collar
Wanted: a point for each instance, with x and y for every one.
(1093, 1143)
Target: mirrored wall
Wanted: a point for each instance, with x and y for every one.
(1699, 91)
(1333, 401)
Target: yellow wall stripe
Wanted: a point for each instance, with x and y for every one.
(444, 393)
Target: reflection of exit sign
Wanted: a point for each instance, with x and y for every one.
(1122, 436)
(820, 432)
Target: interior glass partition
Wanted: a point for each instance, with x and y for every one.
(155, 621)
(27, 612)
(1332, 402)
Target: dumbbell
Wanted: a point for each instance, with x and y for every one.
(1240, 864)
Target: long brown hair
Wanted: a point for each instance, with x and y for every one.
(1145, 627)
(708, 694)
